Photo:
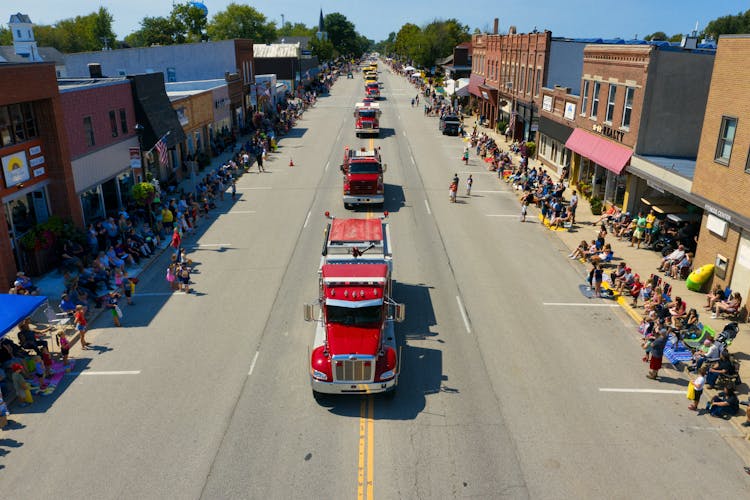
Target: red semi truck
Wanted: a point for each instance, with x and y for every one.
(363, 177)
(355, 348)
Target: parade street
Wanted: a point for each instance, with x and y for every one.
(513, 383)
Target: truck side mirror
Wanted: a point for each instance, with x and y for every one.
(400, 313)
(309, 312)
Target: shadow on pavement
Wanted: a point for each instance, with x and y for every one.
(386, 132)
(43, 403)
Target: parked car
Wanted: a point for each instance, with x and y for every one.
(449, 125)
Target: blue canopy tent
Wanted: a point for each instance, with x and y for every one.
(14, 308)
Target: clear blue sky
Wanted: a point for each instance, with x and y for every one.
(375, 19)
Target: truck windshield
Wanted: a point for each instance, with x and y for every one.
(369, 167)
(368, 113)
(350, 316)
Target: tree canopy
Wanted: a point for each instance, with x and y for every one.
(434, 41)
(241, 21)
(729, 25)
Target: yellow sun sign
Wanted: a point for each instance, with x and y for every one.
(15, 168)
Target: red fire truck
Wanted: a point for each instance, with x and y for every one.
(363, 177)
(355, 348)
(367, 118)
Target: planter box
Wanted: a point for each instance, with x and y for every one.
(42, 261)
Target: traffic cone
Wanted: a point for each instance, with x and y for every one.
(291, 162)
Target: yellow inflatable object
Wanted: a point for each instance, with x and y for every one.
(699, 277)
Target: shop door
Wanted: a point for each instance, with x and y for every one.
(41, 209)
(111, 197)
(741, 273)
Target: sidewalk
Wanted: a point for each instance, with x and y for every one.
(644, 262)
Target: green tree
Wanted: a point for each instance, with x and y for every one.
(190, 21)
(102, 29)
(6, 37)
(727, 25)
(656, 36)
(241, 21)
(296, 29)
(342, 34)
(677, 37)
(322, 48)
(154, 31)
(408, 41)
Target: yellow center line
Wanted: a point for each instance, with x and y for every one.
(372, 143)
(366, 449)
(370, 446)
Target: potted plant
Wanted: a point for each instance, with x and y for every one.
(42, 244)
(596, 205)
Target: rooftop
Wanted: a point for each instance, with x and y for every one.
(48, 54)
(261, 51)
(684, 167)
(195, 85)
(73, 84)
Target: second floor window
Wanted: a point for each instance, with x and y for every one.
(88, 130)
(611, 103)
(726, 139)
(113, 122)
(595, 100)
(585, 97)
(123, 121)
(628, 108)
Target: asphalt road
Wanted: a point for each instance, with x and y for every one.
(207, 396)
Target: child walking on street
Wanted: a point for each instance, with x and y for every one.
(469, 182)
(79, 318)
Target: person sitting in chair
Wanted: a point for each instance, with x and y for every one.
(730, 306)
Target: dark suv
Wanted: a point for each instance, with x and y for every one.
(449, 124)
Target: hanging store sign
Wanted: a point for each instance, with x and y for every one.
(135, 157)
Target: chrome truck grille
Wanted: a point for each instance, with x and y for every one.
(367, 125)
(353, 370)
(362, 187)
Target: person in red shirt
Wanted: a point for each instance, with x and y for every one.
(176, 241)
(79, 318)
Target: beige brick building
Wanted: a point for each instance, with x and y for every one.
(722, 173)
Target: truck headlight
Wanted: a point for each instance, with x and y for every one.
(319, 375)
(387, 375)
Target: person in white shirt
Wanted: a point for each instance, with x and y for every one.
(673, 258)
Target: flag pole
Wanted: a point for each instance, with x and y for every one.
(157, 142)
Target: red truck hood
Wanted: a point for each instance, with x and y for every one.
(344, 339)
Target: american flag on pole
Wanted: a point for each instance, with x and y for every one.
(161, 147)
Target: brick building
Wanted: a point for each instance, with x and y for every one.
(100, 127)
(643, 99)
(722, 171)
(37, 178)
(478, 75)
(520, 67)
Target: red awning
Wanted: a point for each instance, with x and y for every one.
(474, 82)
(601, 151)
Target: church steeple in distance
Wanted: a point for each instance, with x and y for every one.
(321, 34)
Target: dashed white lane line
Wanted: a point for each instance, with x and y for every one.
(328, 164)
(252, 365)
(412, 160)
(132, 372)
(404, 132)
(463, 314)
(307, 219)
(427, 205)
(578, 304)
(644, 391)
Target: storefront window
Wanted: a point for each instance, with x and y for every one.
(111, 196)
(126, 187)
(91, 203)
